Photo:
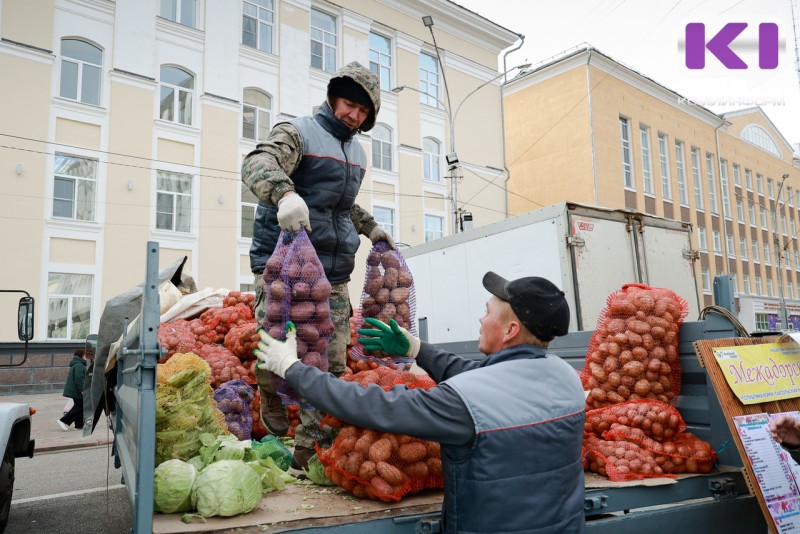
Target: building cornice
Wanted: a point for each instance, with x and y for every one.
(102, 11)
(471, 68)
(301, 4)
(221, 102)
(354, 21)
(757, 109)
(257, 59)
(408, 43)
(178, 34)
(133, 79)
(78, 109)
(25, 51)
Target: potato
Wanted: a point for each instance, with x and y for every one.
(416, 470)
(404, 278)
(310, 272)
(321, 291)
(325, 328)
(399, 295)
(434, 466)
(301, 290)
(294, 272)
(390, 277)
(374, 258)
(302, 311)
(307, 333)
(380, 451)
(323, 310)
(274, 265)
(367, 470)
(382, 296)
(381, 487)
(274, 311)
(372, 311)
(390, 260)
(390, 473)
(276, 290)
(412, 452)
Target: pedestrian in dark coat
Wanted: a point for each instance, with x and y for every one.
(74, 390)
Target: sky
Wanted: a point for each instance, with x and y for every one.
(649, 36)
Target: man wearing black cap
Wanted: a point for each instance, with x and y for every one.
(510, 426)
(307, 174)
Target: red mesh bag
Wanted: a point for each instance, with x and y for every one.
(658, 420)
(621, 460)
(259, 430)
(176, 336)
(237, 297)
(242, 340)
(298, 291)
(293, 411)
(224, 365)
(685, 454)
(205, 334)
(381, 465)
(388, 294)
(223, 319)
(633, 352)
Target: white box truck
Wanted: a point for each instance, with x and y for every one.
(589, 252)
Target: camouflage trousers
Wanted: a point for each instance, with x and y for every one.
(309, 432)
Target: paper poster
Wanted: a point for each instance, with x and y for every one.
(761, 373)
(776, 473)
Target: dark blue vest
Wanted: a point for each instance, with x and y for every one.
(328, 178)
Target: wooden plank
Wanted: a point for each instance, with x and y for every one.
(732, 406)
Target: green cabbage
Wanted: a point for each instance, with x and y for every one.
(226, 488)
(172, 491)
(316, 472)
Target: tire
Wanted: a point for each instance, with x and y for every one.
(6, 488)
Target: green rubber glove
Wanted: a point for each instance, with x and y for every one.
(391, 339)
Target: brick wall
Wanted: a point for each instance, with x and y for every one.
(44, 371)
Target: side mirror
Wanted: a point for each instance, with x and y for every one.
(25, 319)
(91, 346)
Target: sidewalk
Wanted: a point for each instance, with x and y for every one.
(45, 429)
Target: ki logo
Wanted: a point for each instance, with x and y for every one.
(719, 45)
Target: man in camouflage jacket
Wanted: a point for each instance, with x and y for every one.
(307, 174)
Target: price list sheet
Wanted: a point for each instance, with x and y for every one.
(776, 473)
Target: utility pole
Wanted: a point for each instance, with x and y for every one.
(779, 252)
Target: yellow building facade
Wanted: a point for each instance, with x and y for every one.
(127, 121)
(588, 129)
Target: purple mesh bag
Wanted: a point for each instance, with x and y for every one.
(235, 399)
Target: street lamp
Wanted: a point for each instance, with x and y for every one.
(778, 251)
(452, 156)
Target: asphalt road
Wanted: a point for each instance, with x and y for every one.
(69, 492)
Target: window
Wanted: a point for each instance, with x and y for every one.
(380, 59)
(81, 69)
(770, 290)
(433, 227)
(663, 159)
(723, 181)
(698, 187)
(797, 259)
(706, 281)
(717, 242)
(737, 175)
(323, 41)
(771, 188)
(730, 246)
(746, 283)
(756, 254)
(712, 183)
(743, 247)
(702, 243)
(174, 201)
(748, 179)
(798, 198)
(69, 305)
(783, 223)
(760, 183)
(789, 197)
(766, 254)
(382, 147)
(177, 88)
(683, 192)
(249, 206)
(627, 173)
(647, 172)
(790, 287)
(762, 321)
(181, 11)
(751, 211)
(75, 180)
(759, 288)
(258, 17)
(384, 217)
(431, 160)
(760, 137)
(428, 80)
(763, 218)
(794, 227)
(256, 115)
(740, 210)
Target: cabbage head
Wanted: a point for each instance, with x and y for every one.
(226, 488)
(172, 489)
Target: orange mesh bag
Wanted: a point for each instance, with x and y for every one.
(381, 465)
(621, 460)
(205, 334)
(224, 365)
(293, 411)
(259, 430)
(388, 294)
(685, 454)
(658, 420)
(176, 336)
(223, 319)
(237, 297)
(242, 340)
(633, 352)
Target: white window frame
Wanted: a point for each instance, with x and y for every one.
(702, 241)
(431, 160)
(706, 276)
(82, 209)
(756, 251)
(731, 247)
(647, 162)
(175, 196)
(698, 185)
(751, 212)
(763, 218)
(748, 179)
(69, 298)
(663, 160)
(746, 283)
(797, 259)
(717, 242)
(429, 218)
(262, 17)
(740, 210)
(767, 255)
(760, 183)
(771, 188)
(84, 68)
(743, 248)
(790, 287)
(328, 52)
(391, 225)
(770, 288)
(680, 163)
(179, 115)
(260, 114)
(762, 321)
(429, 79)
(737, 174)
(179, 11)
(712, 183)
(384, 148)
(627, 166)
(783, 224)
(380, 62)
(724, 190)
(248, 205)
(759, 287)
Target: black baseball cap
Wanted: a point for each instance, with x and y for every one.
(538, 303)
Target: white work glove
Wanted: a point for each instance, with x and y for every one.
(379, 234)
(293, 213)
(277, 356)
(390, 338)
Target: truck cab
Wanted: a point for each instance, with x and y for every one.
(15, 418)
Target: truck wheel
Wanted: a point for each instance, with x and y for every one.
(6, 488)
